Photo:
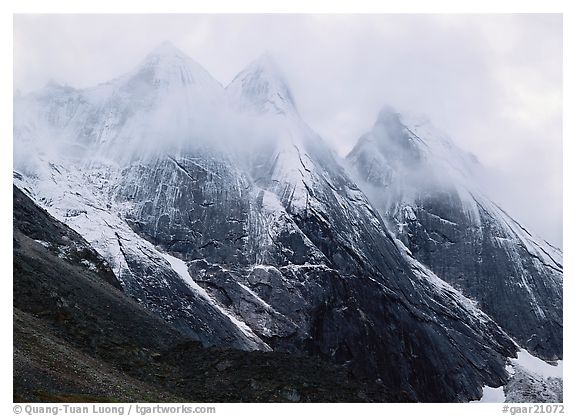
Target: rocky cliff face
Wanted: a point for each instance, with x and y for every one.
(426, 189)
(224, 213)
(77, 338)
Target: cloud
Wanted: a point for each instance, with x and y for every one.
(492, 82)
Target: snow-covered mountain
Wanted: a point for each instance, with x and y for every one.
(427, 190)
(223, 212)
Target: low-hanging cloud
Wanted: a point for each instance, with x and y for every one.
(492, 82)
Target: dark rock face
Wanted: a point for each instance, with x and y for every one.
(286, 251)
(521, 290)
(193, 205)
(151, 281)
(78, 338)
(460, 234)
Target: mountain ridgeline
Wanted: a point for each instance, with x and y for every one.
(221, 211)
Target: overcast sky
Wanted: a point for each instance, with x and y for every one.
(492, 82)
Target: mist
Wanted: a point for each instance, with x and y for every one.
(492, 82)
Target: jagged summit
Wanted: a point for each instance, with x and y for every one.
(267, 63)
(166, 48)
(161, 104)
(166, 65)
(413, 145)
(262, 88)
(386, 113)
(389, 112)
(392, 122)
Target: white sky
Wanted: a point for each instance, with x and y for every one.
(493, 82)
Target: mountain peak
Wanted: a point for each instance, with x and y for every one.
(166, 49)
(389, 120)
(390, 115)
(415, 129)
(388, 112)
(167, 54)
(168, 65)
(408, 145)
(261, 87)
(267, 63)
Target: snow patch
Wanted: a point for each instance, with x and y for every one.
(255, 296)
(491, 395)
(537, 366)
(44, 243)
(91, 266)
(180, 267)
